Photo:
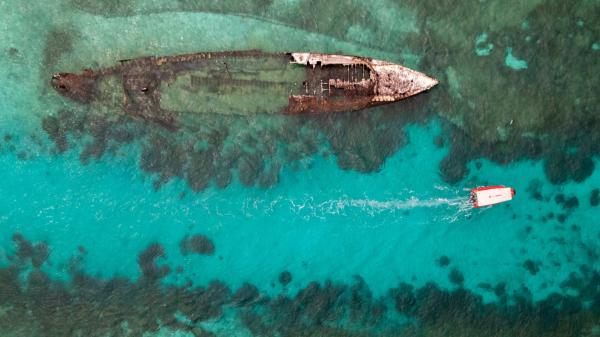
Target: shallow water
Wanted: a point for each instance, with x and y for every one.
(352, 224)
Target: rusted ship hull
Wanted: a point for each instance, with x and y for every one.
(242, 82)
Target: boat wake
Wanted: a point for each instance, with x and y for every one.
(459, 207)
(308, 207)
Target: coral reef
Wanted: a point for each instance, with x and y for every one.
(35, 305)
(317, 310)
(213, 147)
(505, 118)
(539, 112)
(558, 315)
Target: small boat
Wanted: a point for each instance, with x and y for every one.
(491, 195)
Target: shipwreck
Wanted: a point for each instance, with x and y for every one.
(242, 82)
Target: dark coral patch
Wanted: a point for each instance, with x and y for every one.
(456, 276)
(165, 157)
(364, 308)
(198, 304)
(317, 310)
(319, 302)
(532, 266)
(571, 203)
(285, 277)
(500, 289)
(464, 148)
(196, 244)
(245, 295)
(567, 203)
(562, 167)
(52, 126)
(59, 41)
(249, 168)
(27, 251)
(443, 261)
(535, 189)
(485, 286)
(559, 198)
(147, 262)
(404, 298)
(199, 332)
(99, 129)
(595, 197)
(13, 52)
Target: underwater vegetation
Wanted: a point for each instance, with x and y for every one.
(34, 304)
(254, 147)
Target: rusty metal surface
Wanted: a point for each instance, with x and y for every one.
(159, 88)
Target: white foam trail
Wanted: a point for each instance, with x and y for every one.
(308, 208)
(402, 204)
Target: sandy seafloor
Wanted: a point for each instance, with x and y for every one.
(371, 221)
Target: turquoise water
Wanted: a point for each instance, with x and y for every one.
(362, 203)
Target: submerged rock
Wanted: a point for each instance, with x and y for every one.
(196, 244)
(531, 266)
(285, 277)
(443, 261)
(595, 197)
